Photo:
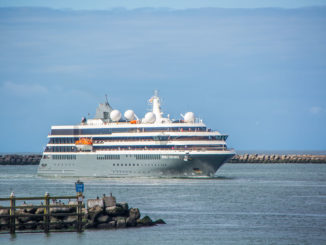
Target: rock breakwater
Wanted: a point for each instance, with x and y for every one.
(16, 159)
(273, 158)
(34, 159)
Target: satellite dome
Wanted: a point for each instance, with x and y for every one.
(150, 117)
(129, 115)
(115, 115)
(189, 117)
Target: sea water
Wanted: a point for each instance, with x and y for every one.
(245, 204)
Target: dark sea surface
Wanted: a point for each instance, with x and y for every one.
(245, 204)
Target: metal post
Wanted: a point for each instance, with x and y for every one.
(12, 213)
(47, 212)
(79, 211)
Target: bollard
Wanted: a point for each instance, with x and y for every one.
(12, 213)
(47, 212)
(79, 211)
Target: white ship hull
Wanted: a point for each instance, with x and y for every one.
(153, 164)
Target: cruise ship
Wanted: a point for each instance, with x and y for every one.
(110, 145)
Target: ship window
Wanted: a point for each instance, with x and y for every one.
(113, 164)
(117, 164)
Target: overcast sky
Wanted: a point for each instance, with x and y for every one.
(256, 74)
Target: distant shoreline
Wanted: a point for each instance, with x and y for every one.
(34, 159)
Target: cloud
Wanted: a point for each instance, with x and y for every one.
(24, 89)
(315, 110)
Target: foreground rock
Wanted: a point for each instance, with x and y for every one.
(104, 213)
(108, 214)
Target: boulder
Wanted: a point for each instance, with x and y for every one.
(115, 211)
(94, 216)
(31, 225)
(4, 221)
(31, 210)
(103, 219)
(39, 211)
(89, 225)
(70, 219)
(95, 209)
(124, 206)
(110, 225)
(121, 222)
(159, 222)
(94, 212)
(24, 219)
(4, 211)
(134, 213)
(146, 221)
(54, 220)
(131, 222)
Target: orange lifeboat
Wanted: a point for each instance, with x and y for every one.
(84, 141)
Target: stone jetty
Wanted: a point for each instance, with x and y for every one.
(273, 158)
(16, 159)
(99, 213)
(34, 159)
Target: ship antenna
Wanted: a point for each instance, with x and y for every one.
(106, 97)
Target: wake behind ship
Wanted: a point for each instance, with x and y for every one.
(153, 146)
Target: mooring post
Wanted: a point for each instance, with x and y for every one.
(79, 189)
(79, 211)
(12, 213)
(47, 212)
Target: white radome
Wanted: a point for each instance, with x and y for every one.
(129, 115)
(189, 117)
(150, 117)
(115, 115)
